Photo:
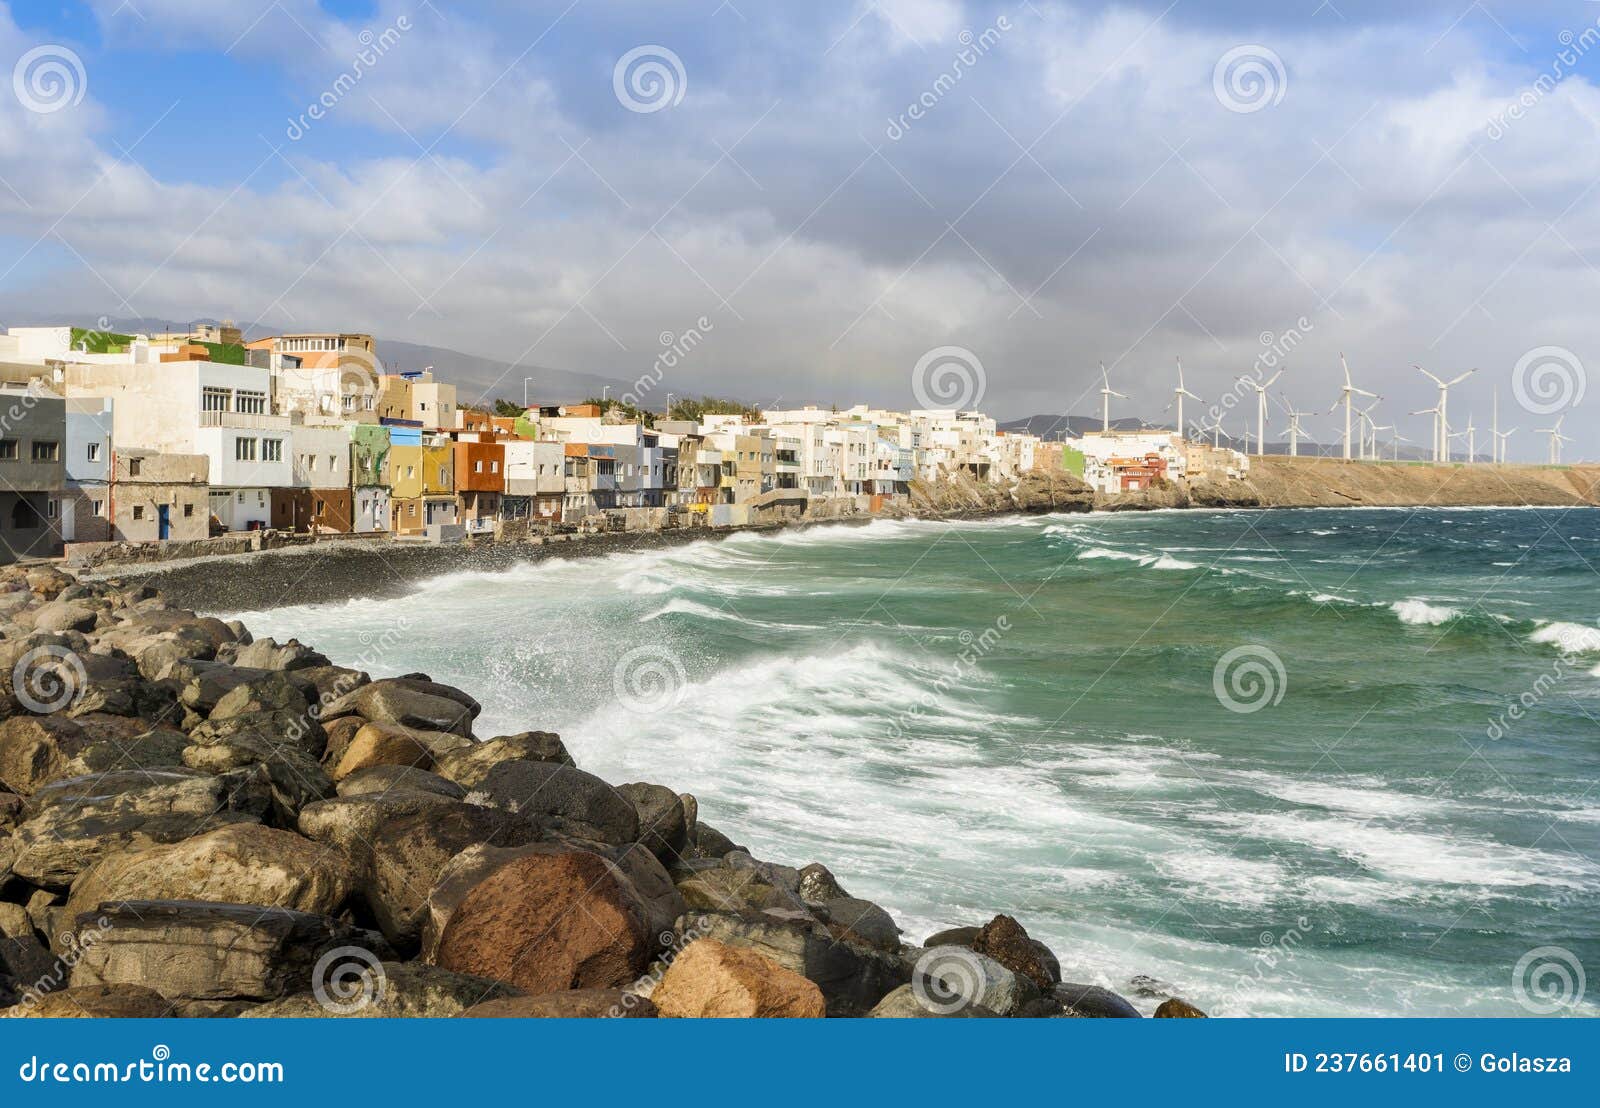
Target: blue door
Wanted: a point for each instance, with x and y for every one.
(164, 521)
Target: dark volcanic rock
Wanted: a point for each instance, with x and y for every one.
(566, 799)
(1093, 1002)
(1004, 940)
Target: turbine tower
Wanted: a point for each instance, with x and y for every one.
(1345, 396)
(1261, 412)
(1441, 434)
(1434, 412)
(1365, 427)
(1471, 435)
(1556, 439)
(1178, 394)
(1500, 440)
(1295, 431)
(1106, 393)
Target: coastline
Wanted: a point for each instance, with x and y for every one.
(377, 569)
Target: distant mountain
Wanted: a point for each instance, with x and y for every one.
(1054, 427)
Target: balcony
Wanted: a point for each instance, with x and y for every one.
(255, 422)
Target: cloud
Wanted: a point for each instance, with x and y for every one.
(1072, 191)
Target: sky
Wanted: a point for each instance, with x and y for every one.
(901, 202)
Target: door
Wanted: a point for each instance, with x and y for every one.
(163, 521)
(69, 527)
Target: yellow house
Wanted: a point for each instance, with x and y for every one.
(439, 503)
(406, 468)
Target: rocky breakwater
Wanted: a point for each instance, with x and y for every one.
(197, 823)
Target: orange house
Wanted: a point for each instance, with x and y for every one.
(480, 482)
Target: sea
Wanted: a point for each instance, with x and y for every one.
(1287, 763)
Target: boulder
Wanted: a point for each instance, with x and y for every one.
(663, 825)
(1092, 1002)
(14, 921)
(296, 777)
(1175, 1009)
(564, 798)
(195, 950)
(468, 765)
(381, 780)
(903, 1003)
(92, 1002)
(543, 917)
(407, 853)
(203, 684)
(350, 822)
(399, 701)
(389, 744)
(966, 936)
(240, 864)
(723, 888)
(269, 654)
(818, 886)
(861, 920)
(38, 750)
(10, 811)
(571, 1004)
(340, 732)
(322, 685)
(708, 842)
(271, 693)
(65, 615)
(273, 728)
(949, 978)
(389, 990)
(710, 979)
(852, 977)
(1004, 940)
(82, 820)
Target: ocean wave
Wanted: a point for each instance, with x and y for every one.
(1569, 638)
(1422, 613)
(1149, 561)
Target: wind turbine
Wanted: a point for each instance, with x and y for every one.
(1178, 394)
(1434, 412)
(1261, 412)
(1106, 393)
(1364, 427)
(1494, 428)
(1556, 439)
(1395, 442)
(1441, 444)
(1500, 439)
(1471, 435)
(1377, 451)
(1345, 396)
(1295, 431)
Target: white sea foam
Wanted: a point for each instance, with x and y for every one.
(1149, 561)
(1569, 638)
(1422, 613)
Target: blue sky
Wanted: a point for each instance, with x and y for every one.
(1085, 191)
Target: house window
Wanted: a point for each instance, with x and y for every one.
(188, 511)
(250, 403)
(8, 450)
(93, 452)
(134, 466)
(214, 399)
(244, 450)
(138, 511)
(477, 466)
(52, 507)
(241, 498)
(272, 450)
(46, 451)
(333, 463)
(97, 506)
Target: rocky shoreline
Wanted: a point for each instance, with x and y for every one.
(196, 823)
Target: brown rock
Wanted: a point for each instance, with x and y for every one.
(1175, 1009)
(551, 917)
(390, 744)
(340, 733)
(1004, 940)
(92, 1002)
(711, 979)
(572, 1004)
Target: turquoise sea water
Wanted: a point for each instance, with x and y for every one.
(1269, 759)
